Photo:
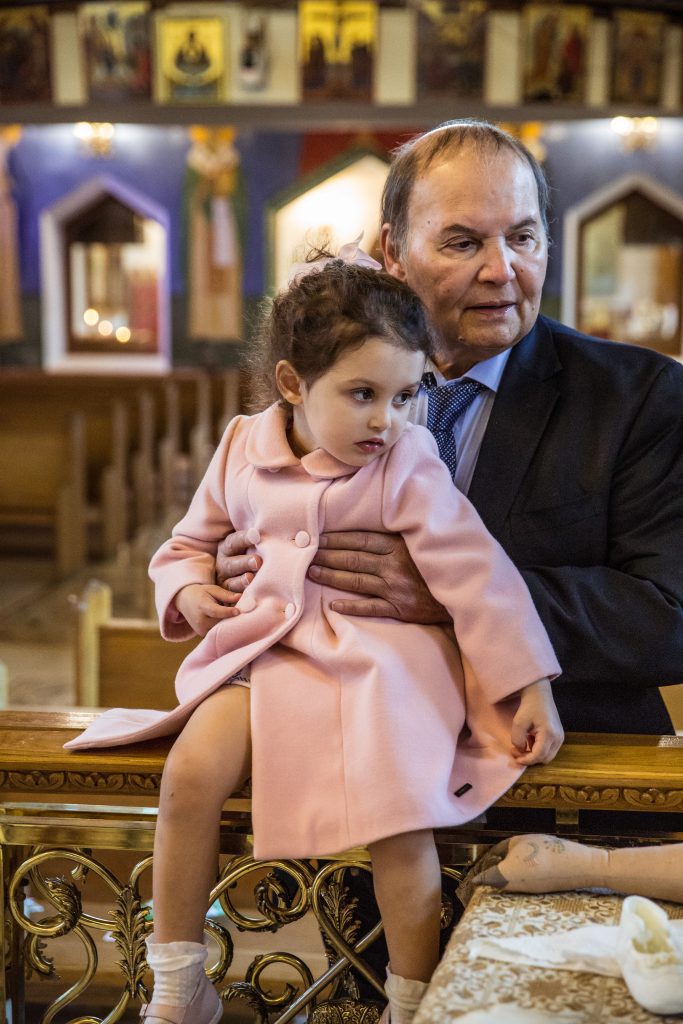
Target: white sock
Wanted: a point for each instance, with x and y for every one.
(404, 997)
(177, 967)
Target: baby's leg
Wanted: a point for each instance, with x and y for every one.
(210, 760)
(407, 880)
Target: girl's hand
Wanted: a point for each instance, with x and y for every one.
(537, 732)
(202, 605)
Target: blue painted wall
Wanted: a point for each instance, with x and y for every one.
(49, 162)
(586, 155)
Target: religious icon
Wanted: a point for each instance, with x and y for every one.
(637, 47)
(337, 41)
(555, 42)
(215, 203)
(11, 326)
(451, 47)
(25, 55)
(116, 45)
(192, 55)
(252, 69)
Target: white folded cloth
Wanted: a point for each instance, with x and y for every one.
(592, 948)
(507, 1015)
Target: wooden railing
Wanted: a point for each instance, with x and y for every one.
(68, 816)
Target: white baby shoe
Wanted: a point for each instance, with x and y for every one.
(650, 955)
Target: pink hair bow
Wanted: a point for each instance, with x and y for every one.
(351, 252)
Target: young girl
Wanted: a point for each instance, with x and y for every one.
(355, 731)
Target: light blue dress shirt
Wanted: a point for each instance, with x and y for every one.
(470, 428)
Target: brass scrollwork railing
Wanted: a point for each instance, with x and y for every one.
(283, 892)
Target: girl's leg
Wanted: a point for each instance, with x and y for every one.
(407, 880)
(210, 759)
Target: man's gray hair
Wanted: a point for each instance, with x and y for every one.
(414, 157)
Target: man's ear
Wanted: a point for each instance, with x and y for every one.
(288, 382)
(392, 262)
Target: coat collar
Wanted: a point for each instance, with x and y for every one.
(523, 405)
(267, 447)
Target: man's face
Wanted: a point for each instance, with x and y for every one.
(476, 253)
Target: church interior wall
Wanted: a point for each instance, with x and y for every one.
(47, 163)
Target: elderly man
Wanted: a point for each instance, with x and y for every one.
(569, 447)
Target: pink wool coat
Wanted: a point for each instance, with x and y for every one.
(361, 728)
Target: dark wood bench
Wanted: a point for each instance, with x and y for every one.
(43, 486)
(106, 434)
(159, 437)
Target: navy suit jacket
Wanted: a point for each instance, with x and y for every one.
(580, 478)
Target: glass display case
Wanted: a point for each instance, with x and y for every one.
(105, 281)
(114, 259)
(327, 209)
(623, 265)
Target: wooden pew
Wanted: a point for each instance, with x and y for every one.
(227, 399)
(190, 439)
(4, 685)
(42, 485)
(122, 662)
(173, 435)
(198, 407)
(124, 441)
(673, 698)
(173, 423)
(105, 444)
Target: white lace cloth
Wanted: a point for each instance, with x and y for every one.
(481, 990)
(591, 947)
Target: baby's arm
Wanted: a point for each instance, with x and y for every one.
(202, 605)
(537, 732)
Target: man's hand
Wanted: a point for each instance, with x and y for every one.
(537, 732)
(379, 567)
(202, 605)
(234, 567)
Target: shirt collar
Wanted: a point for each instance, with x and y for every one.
(487, 372)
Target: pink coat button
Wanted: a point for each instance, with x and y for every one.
(253, 536)
(302, 539)
(246, 603)
(290, 611)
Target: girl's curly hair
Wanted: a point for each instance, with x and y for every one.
(324, 314)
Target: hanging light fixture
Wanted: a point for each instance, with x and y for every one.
(636, 132)
(97, 137)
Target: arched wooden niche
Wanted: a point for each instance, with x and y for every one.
(105, 286)
(332, 206)
(623, 265)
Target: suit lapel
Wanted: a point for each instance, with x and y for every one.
(518, 419)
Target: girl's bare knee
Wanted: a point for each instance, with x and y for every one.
(184, 779)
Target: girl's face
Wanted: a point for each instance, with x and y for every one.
(357, 410)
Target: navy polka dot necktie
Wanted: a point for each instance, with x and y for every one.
(446, 403)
